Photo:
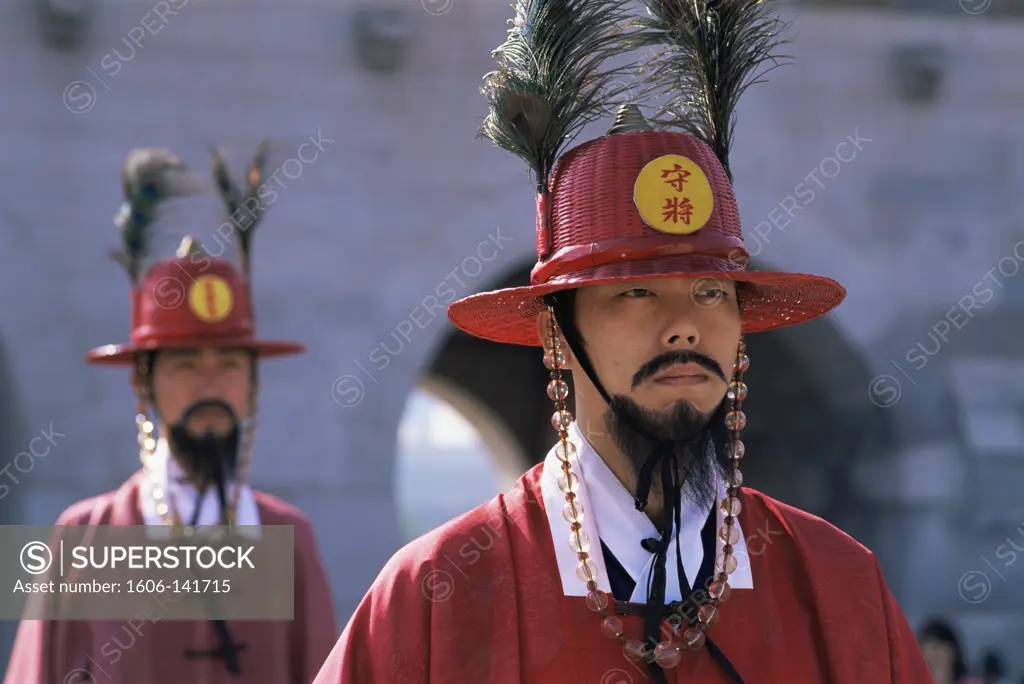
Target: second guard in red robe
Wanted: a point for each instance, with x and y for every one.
(194, 358)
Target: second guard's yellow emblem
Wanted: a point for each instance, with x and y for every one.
(673, 195)
(210, 299)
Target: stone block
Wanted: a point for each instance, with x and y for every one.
(921, 474)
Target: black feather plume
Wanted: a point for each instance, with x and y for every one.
(245, 208)
(713, 51)
(550, 81)
(150, 176)
(225, 184)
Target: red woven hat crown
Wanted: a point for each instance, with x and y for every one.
(637, 205)
(192, 301)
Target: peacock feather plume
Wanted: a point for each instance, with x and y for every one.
(150, 176)
(713, 50)
(245, 207)
(551, 79)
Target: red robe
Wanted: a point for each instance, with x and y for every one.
(112, 652)
(480, 600)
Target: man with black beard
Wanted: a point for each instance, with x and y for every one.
(194, 359)
(610, 562)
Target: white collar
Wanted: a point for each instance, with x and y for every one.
(168, 474)
(610, 515)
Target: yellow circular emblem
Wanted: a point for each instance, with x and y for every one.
(210, 299)
(673, 195)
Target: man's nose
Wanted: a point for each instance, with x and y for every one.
(680, 333)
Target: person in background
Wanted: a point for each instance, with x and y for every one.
(993, 668)
(942, 652)
(194, 359)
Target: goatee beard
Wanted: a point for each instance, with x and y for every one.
(697, 442)
(209, 458)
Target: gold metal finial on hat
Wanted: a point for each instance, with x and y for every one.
(189, 247)
(629, 119)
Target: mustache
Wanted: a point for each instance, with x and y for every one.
(663, 361)
(204, 404)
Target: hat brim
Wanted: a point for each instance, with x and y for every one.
(124, 354)
(770, 299)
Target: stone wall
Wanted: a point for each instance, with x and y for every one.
(909, 205)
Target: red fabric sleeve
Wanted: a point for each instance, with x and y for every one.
(52, 651)
(387, 641)
(906, 662)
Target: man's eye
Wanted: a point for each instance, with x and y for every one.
(712, 293)
(637, 292)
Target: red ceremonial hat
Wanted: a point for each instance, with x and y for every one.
(193, 300)
(637, 203)
(189, 302)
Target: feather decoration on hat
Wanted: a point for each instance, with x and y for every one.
(713, 51)
(550, 82)
(150, 176)
(245, 208)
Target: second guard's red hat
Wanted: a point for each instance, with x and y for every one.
(193, 300)
(188, 302)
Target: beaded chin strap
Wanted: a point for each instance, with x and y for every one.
(165, 507)
(668, 653)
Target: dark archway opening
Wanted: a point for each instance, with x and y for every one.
(809, 416)
(507, 379)
(809, 422)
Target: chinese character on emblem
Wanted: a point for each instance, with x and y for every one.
(680, 175)
(676, 210)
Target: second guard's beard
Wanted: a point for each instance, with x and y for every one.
(699, 441)
(208, 459)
